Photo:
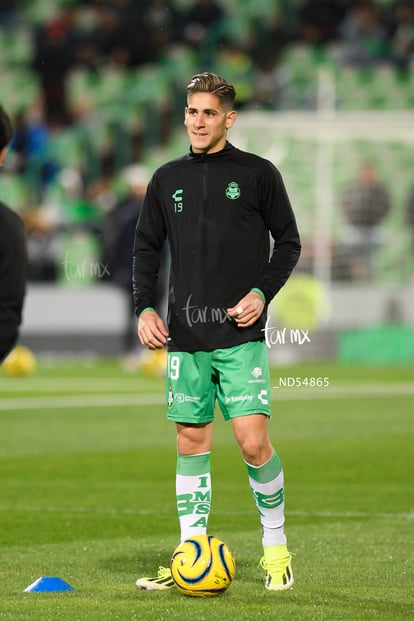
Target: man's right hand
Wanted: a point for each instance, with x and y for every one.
(151, 330)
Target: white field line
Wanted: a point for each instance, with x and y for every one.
(80, 401)
(110, 384)
(78, 385)
(348, 390)
(344, 391)
(108, 511)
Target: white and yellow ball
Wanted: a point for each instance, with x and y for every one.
(20, 362)
(202, 566)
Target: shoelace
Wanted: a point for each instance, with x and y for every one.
(164, 572)
(278, 564)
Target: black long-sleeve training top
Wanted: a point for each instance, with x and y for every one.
(13, 268)
(217, 211)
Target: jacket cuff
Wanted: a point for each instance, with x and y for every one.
(149, 308)
(259, 292)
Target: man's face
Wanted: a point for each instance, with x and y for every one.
(207, 122)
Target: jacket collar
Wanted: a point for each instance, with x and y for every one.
(204, 156)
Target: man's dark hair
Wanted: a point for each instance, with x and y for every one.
(214, 84)
(6, 129)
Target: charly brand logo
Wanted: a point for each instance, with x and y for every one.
(262, 396)
(233, 191)
(178, 200)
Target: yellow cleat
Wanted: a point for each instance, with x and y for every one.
(162, 582)
(277, 564)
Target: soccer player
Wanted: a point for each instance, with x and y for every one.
(217, 206)
(13, 258)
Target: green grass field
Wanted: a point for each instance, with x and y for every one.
(87, 464)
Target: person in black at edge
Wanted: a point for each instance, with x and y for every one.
(13, 258)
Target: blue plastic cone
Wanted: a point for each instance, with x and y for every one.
(49, 585)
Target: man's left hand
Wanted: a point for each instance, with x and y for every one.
(248, 310)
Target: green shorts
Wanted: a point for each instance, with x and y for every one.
(236, 377)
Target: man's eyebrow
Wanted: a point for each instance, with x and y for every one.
(192, 109)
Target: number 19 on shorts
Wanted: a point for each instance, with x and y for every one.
(173, 367)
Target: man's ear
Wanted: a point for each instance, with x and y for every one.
(231, 118)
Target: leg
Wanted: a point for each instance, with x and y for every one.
(193, 480)
(265, 475)
(194, 439)
(193, 489)
(189, 374)
(267, 484)
(253, 439)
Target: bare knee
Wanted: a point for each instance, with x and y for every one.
(252, 437)
(256, 451)
(193, 439)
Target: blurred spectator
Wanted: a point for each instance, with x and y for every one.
(161, 20)
(364, 37)
(271, 85)
(42, 246)
(200, 20)
(318, 21)
(270, 37)
(21, 143)
(30, 144)
(101, 191)
(118, 242)
(119, 227)
(54, 55)
(13, 259)
(9, 17)
(402, 37)
(410, 218)
(132, 32)
(365, 204)
(107, 36)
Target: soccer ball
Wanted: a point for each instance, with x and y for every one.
(21, 361)
(202, 566)
(154, 363)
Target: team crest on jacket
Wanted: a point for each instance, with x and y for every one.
(233, 190)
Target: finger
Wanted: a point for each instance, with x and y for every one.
(245, 323)
(159, 341)
(249, 316)
(236, 311)
(153, 342)
(153, 334)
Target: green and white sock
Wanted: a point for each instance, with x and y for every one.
(193, 490)
(266, 483)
